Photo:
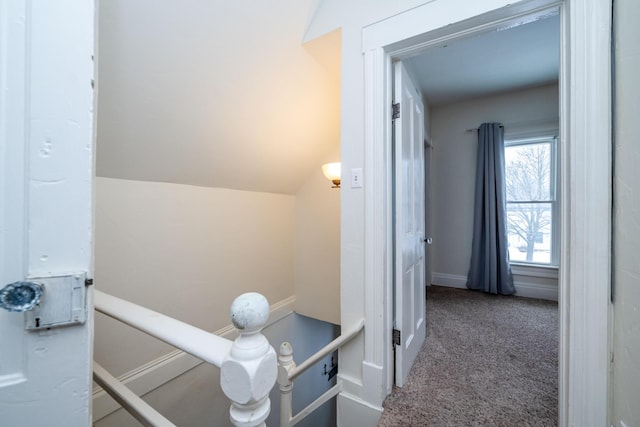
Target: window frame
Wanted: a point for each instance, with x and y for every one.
(554, 191)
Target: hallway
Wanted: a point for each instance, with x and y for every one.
(487, 361)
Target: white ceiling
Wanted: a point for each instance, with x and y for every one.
(522, 56)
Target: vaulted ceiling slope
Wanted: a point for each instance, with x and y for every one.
(212, 93)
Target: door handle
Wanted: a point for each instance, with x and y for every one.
(20, 296)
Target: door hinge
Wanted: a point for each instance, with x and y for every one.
(396, 337)
(395, 114)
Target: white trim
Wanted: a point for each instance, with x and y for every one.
(379, 232)
(531, 270)
(449, 280)
(586, 210)
(525, 284)
(536, 290)
(585, 180)
(353, 411)
(160, 371)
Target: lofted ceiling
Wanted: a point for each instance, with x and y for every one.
(216, 94)
(525, 54)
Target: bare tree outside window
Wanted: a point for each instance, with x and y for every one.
(529, 192)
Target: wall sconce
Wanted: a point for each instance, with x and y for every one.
(332, 172)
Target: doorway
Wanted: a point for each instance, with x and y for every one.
(507, 74)
(584, 276)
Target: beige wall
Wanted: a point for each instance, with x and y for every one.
(317, 249)
(626, 351)
(454, 164)
(193, 399)
(189, 251)
(217, 94)
(186, 252)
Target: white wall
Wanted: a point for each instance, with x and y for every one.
(453, 174)
(626, 337)
(187, 252)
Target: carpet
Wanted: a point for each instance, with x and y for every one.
(487, 361)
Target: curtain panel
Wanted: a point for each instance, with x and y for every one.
(489, 270)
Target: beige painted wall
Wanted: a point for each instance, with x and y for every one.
(187, 252)
(317, 248)
(193, 399)
(454, 164)
(219, 94)
(626, 350)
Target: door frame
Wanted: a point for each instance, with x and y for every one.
(585, 122)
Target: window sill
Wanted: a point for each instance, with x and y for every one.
(534, 270)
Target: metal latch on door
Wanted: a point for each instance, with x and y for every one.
(48, 302)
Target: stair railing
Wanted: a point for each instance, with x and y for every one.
(248, 365)
(288, 371)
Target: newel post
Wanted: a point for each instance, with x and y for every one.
(249, 371)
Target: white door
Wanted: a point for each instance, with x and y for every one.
(46, 170)
(409, 284)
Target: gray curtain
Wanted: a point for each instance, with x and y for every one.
(490, 271)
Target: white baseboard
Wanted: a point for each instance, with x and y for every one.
(355, 412)
(449, 280)
(372, 376)
(160, 371)
(526, 285)
(536, 290)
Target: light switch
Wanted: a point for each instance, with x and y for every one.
(356, 178)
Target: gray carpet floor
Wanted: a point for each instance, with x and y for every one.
(487, 361)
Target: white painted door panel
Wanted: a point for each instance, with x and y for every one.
(46, 175)
(409, 286)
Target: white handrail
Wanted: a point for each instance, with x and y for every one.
(329, 394)
(137, 407)
(327, 349)
(288, 371)
(202, 344)
(248, 365)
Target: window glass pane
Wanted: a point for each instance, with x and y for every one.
(529, 232)
(528, 172)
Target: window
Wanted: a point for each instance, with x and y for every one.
(532, 211)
